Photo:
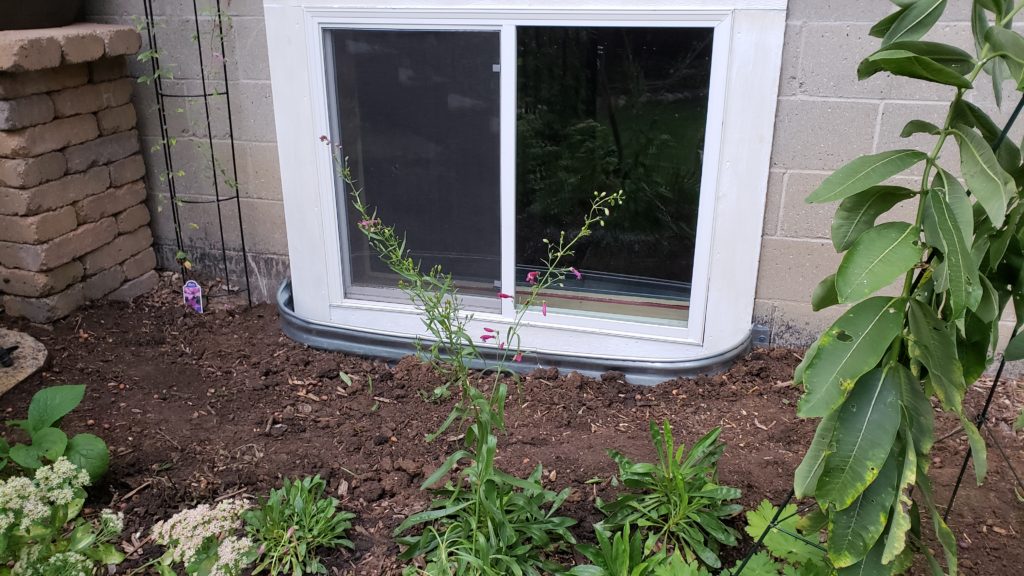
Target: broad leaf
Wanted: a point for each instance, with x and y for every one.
(825, 294)
(850, 348)
(1015, 349)
(882, 27)
(919, 127)
(956, 196)
(934, 345)
(945, 536)
(89, 452)
(805, 479)
(896, 541)
(918, 413)
(863, 173)
(979, 452)
(910, 65)
(1010, 45)
(855, 529)
(915, 21)
(942, 230)
(871, 565)
(949, 56)
(858, 213)
(28, 457)
(49, 405)
(989, 183)
(865, 431)
(878, 257)
(50, 442)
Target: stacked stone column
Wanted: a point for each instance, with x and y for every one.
(73, 225)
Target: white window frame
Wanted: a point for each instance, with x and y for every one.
(746, 60)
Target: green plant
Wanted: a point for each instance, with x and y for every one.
(676, 502)
(870, 377)
(293, 524)
(41, 532)
(788, 544)
(626, 554)
(204, 541)
(48, 442)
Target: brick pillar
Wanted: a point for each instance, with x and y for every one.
(73, 225)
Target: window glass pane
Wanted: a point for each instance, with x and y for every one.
(418, 117)
(607, 109)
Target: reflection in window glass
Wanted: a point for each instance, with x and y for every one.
(611, 109)
(418, 117)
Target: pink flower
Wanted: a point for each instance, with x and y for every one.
(544, 308)
(518, 357)
(487, 337)
(503, 295)
(531, 277)
(490, 330)
(323, 138)
(501, 345)
(576, 273)
(368, 223)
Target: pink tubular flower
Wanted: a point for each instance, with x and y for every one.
(518, 357)
(531, 277)
(368, 223)
(490, 330)
(501, 345)
(544, 308)
(576, 273)
(487, 337)
(503, 295)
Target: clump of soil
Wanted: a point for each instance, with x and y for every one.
(204, 407)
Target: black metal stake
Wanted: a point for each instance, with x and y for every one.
(760, 540)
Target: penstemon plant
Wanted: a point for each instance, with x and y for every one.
(871, 376)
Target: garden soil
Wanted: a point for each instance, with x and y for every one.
(198, 408)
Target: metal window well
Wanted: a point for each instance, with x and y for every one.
(212, 191)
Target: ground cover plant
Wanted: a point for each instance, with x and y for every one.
(870, 377)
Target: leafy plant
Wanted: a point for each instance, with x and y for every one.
(204, 541)
(870, 377)
(48, 442)
(626, 554)
(293, 524)
(41, 530)
(788, 544)
(677, 502)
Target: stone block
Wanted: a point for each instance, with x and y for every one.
(798, 219)
(791, 268)
(26, 50)
(119, 119)
(27, 83)
(59, 251)
(110, 202)
(103, 283)
(53, 195)
(122, 248)
(139, 264)
(26, 111)
(37, 229)
(132, 289)
(78, 44)
(31, 172)
(773, 203)
(120, 40)
(38, 140)
(103, 150)
(132, 218)
(800, 124)
(36, 284)
(128, 170)
(106, 69)
(92, 97)
(839, 10)
(45, 310)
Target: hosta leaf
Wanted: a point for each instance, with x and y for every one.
(896, 541)
(863, 173)
(1015, 349)
(876, 259)
(50, 442)
(851, 347)
(27, 457)
(825, 294)
(935, 346)
(989, 183)
(910, 65)
(865, 431)
(979, 452)
(89, 452)
(858, 213)
(807, 473)
(51, 404)
(915, 22)
(942, 231)
(855, 529)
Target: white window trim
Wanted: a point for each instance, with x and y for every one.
(747, 60)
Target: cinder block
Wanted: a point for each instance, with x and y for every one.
(895, 116)
(106, 69)
(59, 251)
(26, 50)
(103, 283)
(39, 81)
(128, 170)
(838, 10)
(791, 268)
(92, 97)
(132, 289)
(53, 195)
(117, 119)
(102, 150)
(139, 264)
(25, 112)
(45, 310)
(110, 202)
(798, 218)
(776, 181)
(38, 140)
(30, 172)
(117, 251)
(36, 284)
(132, 218)
(37, 229)
(801, 126)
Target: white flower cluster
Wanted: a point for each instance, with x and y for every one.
(60, 564)
(33, 500)
(185, 532)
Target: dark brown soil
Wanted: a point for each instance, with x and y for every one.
(198, 407)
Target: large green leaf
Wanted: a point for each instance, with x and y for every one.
(858, 213)
(28, 457)
(871, 565)
(89, 452)
(1010, 45)
(979, 452)
(969, 114)
(915, 22)
(51, 404)
(896, 541)
(989, 183)
(863, 173)
(854, 530)
(865, 431)
(850, 348)
(805, 479)
(1015, 349)
(50, 442)
(919, 127)
(824, 294)
(945, 536)
(942, 230)
(882, 27)
(949, 56)
(934, 345)
(959, 203)
(878, 257)
(910, 65)
(917, 408)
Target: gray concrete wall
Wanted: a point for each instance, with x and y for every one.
(825, 118)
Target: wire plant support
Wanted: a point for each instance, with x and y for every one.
(207, 92)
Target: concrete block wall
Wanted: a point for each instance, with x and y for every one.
(73, 226)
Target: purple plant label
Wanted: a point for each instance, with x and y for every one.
(192, 292)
